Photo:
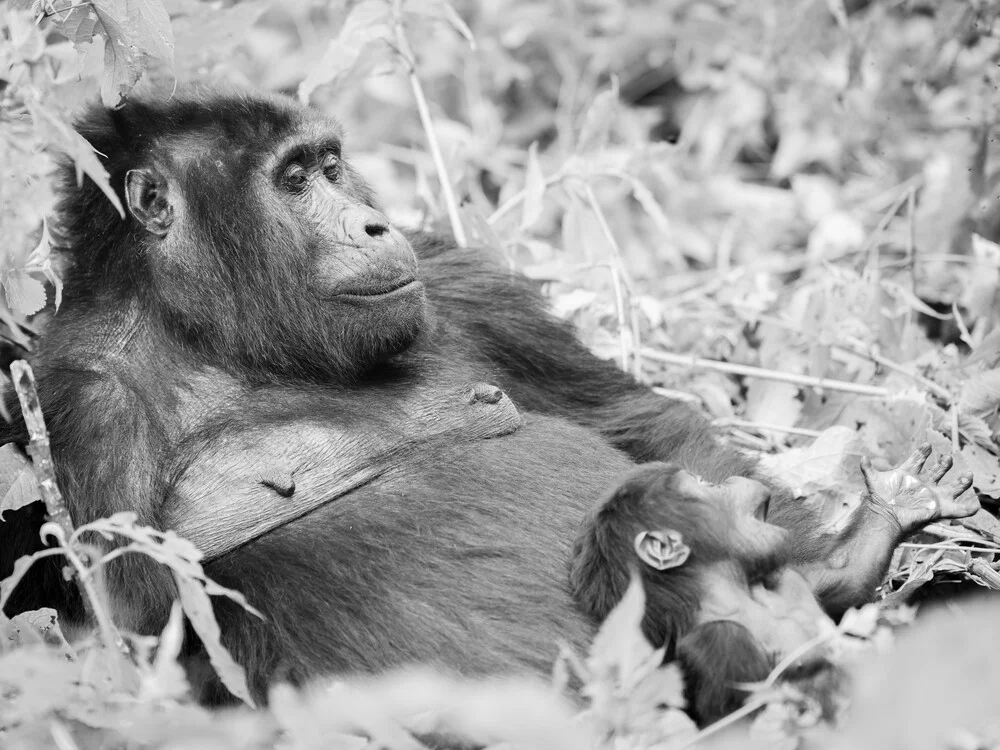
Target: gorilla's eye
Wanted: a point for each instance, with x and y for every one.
(295, 178)
(331, 167)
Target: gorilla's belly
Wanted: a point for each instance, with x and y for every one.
(458, 559)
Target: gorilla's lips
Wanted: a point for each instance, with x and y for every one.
(381, 288)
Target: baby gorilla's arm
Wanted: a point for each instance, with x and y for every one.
(850, 564)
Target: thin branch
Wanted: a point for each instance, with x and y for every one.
(797, 654)
(38, 446)
(406, 54)
(859, 348)
(728, 720)
(621, 278)
(763, 426)
(806, 381)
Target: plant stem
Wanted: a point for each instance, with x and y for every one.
(406, 54)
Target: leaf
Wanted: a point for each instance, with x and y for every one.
(831, 460)
(598, 121)
(17, 480)
(25, 295)
(534, 189)
(620, 654)
(133, 30)
(35, 683)
(985, 468)
(360, 47)
(78, 23)
(167, 679)
(980, 393)
(198, 608)
(771, 402)
(38, 626)
(59, 134)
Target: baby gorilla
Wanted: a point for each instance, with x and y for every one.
(732, 590)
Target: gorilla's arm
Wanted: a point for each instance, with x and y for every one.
(500, 319)
(109, 454)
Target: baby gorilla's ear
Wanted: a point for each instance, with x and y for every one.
(661, 550)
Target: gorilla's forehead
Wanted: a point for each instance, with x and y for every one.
(243, 132)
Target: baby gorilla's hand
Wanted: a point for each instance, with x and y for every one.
(913, 496)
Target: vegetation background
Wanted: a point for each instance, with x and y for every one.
(785, 211)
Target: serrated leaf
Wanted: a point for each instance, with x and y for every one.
(23, 490)
(980, 393)
(60, 135)
(356, 51)
(25, 295)
(78, 23)
(534, 189)
(36, 627)
(133, 30)
(17, 480)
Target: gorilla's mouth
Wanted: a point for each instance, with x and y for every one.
(379, 289)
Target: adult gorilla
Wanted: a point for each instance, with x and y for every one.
(255, 357)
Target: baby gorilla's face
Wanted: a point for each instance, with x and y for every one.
(741, 505)
(754, 586)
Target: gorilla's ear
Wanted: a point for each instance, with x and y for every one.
(662, 549)
(148, 201)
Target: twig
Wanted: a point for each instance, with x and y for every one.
(797, 654)
(676, 395)
(748, 708)
(911, 234)
(621, 279)
(947, 547)
(807, 381)
(858, 347)
(39, 446)
(406, 54)
(620, 311)
(762, 426)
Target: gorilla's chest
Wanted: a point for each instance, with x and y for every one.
(282, 458)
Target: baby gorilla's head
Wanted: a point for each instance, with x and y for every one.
(711, 565)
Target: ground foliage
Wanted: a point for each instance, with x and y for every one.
(785, 211)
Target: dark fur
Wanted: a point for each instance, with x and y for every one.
(457, 558)
(714, 658)
(602, 557)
